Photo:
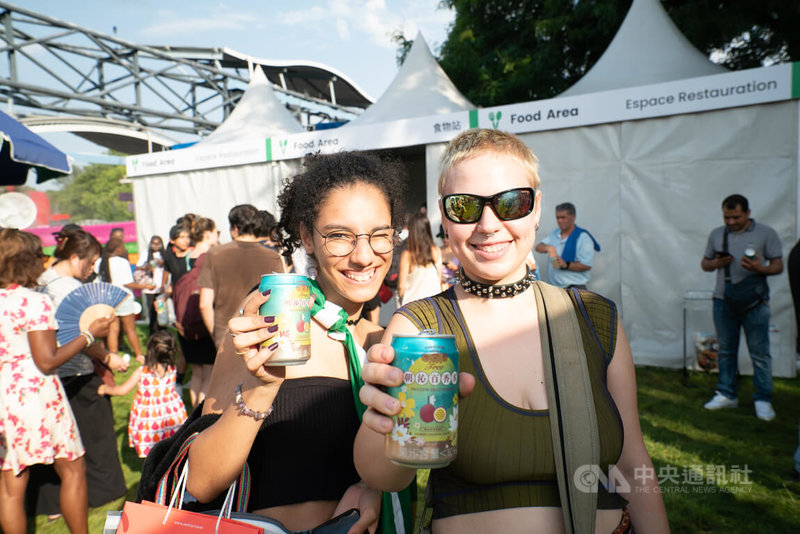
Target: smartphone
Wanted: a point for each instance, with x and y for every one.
(722, 254)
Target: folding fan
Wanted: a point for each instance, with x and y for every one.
(83, 305)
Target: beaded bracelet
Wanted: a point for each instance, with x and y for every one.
(243, 409)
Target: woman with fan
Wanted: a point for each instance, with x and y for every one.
(37, 425)
(344, 210)
(75, 255)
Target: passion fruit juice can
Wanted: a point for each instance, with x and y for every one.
(290, 303)
(424, 433)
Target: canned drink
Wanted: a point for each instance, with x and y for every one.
(290, 303)
(424, 433)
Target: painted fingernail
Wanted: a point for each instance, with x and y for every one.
(273, 346)
(273, 328)
(390, 404)
(266, 293)
(269, 319)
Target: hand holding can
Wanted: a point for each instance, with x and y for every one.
(290, 303)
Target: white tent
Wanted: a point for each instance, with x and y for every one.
(648, 48)
(226, 175)
(420, 88)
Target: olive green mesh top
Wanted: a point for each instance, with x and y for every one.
(505, 453)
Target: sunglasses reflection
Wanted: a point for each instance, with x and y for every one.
(465, 208)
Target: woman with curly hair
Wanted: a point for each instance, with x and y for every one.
(37, 425)
(295, 426)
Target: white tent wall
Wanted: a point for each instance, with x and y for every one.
(675, 173)
(650, 191)
(161, 199)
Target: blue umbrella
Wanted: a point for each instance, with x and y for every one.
(22, 149)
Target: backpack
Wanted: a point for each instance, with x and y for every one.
(186, 297)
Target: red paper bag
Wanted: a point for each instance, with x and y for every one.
(148, 518)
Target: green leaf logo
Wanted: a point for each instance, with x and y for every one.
(283, 143)
(495, 118)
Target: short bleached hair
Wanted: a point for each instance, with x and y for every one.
(471, 143)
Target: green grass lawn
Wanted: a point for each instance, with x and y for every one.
(683, 439)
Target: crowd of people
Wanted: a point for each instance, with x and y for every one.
(312, 436)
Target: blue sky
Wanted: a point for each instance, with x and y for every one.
(352, 36)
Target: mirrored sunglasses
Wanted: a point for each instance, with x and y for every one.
(463, 208)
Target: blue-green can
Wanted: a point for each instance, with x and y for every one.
(425, 430)
(290, 303)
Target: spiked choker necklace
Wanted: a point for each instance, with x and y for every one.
(496, 292)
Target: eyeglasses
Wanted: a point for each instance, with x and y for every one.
(463, 208)
(342, 242)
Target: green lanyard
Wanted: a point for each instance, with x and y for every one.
(337, 329)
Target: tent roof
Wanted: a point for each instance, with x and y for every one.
(259, 113)
(310, 78)
(305, 77)
(420, 88)
(647, 49)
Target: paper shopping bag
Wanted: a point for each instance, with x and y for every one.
(149, 518)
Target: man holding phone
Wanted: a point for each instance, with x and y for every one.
(743, 253)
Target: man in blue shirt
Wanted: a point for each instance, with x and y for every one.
(570, 250)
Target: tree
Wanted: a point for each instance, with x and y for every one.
(92, 193)
(505, 51)
(742, 35)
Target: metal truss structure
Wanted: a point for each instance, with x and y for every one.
(136, 98)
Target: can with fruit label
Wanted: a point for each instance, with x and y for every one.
(290, 304)
(424, 432)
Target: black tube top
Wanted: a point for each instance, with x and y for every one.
(304, 450)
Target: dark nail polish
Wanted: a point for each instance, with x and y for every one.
(273, 328)
(273, 346)
(269, 319)
(266, 293)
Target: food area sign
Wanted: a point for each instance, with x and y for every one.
(719, 91)
(692, 95)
